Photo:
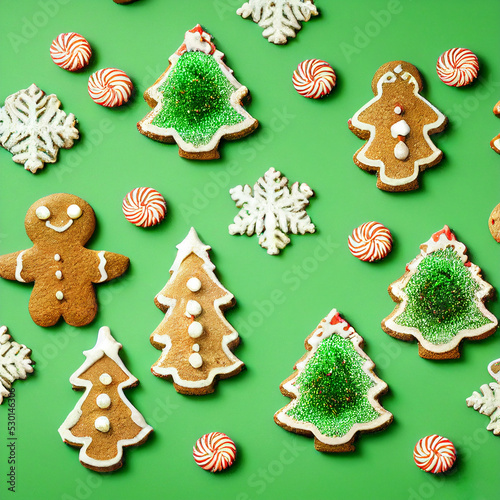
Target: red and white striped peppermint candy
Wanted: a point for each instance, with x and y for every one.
(457, 67)
(110, 87)
(214, 452)
(370, 241)
(434, 454)
(314, 78)
(70, 51)
(144, 207)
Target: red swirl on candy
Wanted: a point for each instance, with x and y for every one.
(370, 241)
(434, 454)
(314, 78)
(110, 87)
(70, 51)
(457, 67)
(144, 207)
(214, 452)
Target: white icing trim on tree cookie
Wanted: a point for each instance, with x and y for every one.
(193, 244)
(105, 345)
(439, 241)
(325, 330)
(390, 77)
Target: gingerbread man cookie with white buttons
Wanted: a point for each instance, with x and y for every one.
(62, 269)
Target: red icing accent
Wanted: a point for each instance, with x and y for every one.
(492, 221)
(337, 318)
(446, 231)
(407, 268)
(467, 264)
(197, 29)
(401, 138)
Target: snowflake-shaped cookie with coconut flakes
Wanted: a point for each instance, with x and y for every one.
(15, 362)
(33, 128)
(489, 402)
(279, 18)
(272, 211)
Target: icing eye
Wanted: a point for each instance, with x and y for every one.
(43, 213)
(74, 211)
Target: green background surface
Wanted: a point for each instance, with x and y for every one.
(280, 299)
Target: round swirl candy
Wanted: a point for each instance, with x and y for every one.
(370, 241)
(110, 87)
(214, 452)
(144, 207)
(457, 67)
(314, 78)
(70, 51)
(434, 454)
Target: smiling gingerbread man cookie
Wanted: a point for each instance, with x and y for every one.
(62, 268)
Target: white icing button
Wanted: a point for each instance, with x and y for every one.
(103, 401)
(400, 128)
(43, 213)
(196, 348)
(57, 257)
(194, 284)
(193, 308)
(102, 424)
(74, 211)
(59, 295)
(195, 360)
(105, 379)
(195, 329)
(398, 110)
(59, 275)
(401, 151)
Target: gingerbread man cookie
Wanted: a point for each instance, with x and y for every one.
(397, 124)
(62, 268)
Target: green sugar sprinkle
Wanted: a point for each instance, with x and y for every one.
(196, 99)
(333, 389)
(441, 297)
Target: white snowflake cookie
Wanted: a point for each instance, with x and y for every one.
(15, 362)
(33, 128)
(280, 18)
(272, 211)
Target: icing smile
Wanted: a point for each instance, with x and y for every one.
(60, 229)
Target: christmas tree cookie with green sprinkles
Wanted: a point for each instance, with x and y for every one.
(440, 299)
(334, 390)
(197, 101)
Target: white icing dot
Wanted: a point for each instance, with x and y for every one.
(401, 151)
(400, 128)
(74, 211)
(57, 257)
(59, 295)
(195, 329)
(103, 401)
(43, 213)
(59, 275)
(196, 348)
(193, 308)
(194, 284)
(105, 379)
(195, 360)
(102, 424)
(398, 110)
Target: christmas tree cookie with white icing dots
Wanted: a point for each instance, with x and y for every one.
(334, 391)
(440, 299)
(63, 270)
(195, 338)
(397, 124)
(104, 421)
(197, 101)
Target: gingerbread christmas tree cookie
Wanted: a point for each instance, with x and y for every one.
(197, 101)
(103, 421)
(334, 390)
(440, 299)
(397, 124)
(195, 338)
(63, 270)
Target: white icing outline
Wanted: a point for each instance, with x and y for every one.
(193, 244)
(60, 229)
(360, 154)
(325, 330)
(19, 267)
(152, 93)
(397, 287)
(102, 265)
(105, 345)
